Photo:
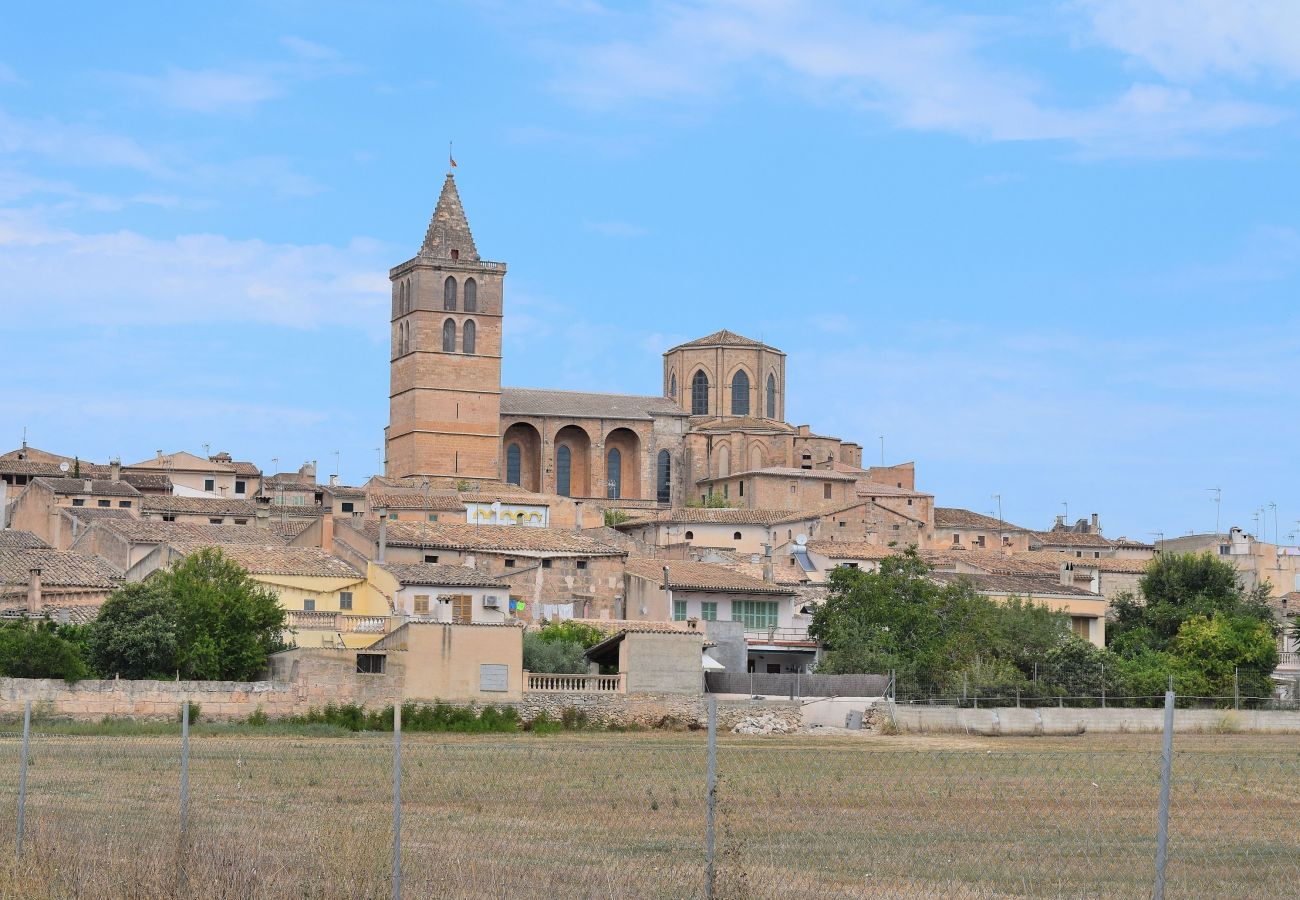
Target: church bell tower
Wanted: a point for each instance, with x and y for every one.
(444, 418)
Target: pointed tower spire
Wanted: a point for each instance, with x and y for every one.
(449, 236)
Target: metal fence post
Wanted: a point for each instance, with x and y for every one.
(181, 876)
(1236, 688)
(711, 785)
(22, 773)
(1166, 773)
(397, 799)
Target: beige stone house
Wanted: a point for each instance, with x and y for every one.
(556, 574)
(47, 507)
(963, 529)
(746, 531)
(37, 580)
(430, 592)
(218, 475)
(199, 510)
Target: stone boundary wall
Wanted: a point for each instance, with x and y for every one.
(1053, 720)
(317, 685)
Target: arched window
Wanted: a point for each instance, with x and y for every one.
(771, 396)
(690, 535)
(471, 295)
(449, 336)
(664, 478)
(404, 339)
(672, 385)
(467, 340)
(700, 394)
(614, 474)
(512, 464)
(406, 295)
(740, 394)
(449, 293)
(563, 466)
(736, 536)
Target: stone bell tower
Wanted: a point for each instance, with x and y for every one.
(444, 418)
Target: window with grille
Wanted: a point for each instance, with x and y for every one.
(563, 470)
(614, 469)
(513, 464)
(469, 338)
(449, 336)
(471, 295)
(679, 610)
(709, 611)
(449, 293)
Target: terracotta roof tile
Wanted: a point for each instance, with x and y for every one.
(436, 501)
(102, 487)
(786, 472)
(585, 404)
(433, 574)
(1070, 539)
(954, 517)
(489, 538)
(1023, 585)
(725, 338)
(59, 568)
(698, 576)
(267, 559)
(687, 515)
(11, 539)
(210, 506)
(852, 550)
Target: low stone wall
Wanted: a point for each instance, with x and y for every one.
(319, 679)
(1055, 720)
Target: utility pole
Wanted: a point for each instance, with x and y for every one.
(336, 464)
(1218, 499)
(882, 451)
(1066, 504)
(1272, 504)
(1001, 525)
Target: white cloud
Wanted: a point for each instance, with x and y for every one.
(125, 278)
(925, 75)
(74, 144)
(206, 90)
(1195, 39)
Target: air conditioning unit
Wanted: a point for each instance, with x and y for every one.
(491, 602)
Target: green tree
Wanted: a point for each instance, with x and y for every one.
(1078, 668)
(553, 656)
(572, 632)
(35, 650)
(1175, 588)
(1222, 646)
(226, 623)
(134, 635)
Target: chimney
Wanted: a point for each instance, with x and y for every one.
(34, 602)
(263, 516)
(159, 452)
(308, 472)
(327, 533)
(1060, 521)
(577, 515)
(1096, 524)
(334, 480)
(1067, 577)
(768, 575)
(668, 592)
(115, 469)
(383, 534)
(90, 485)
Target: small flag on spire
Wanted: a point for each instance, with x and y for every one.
(451, 159)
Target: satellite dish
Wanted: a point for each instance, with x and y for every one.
(801, 539)
(63, 467)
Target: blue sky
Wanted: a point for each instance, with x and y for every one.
(1049, 251)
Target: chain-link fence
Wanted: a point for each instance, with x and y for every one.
(607, 814)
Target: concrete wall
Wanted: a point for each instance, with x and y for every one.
(663, 663)
(1054, 720)
(443, 661)
(731, 649)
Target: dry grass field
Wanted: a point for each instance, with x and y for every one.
(622, 815)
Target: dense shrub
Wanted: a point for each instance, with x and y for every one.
(36, 650)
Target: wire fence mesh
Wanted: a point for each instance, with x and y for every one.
(604, 814)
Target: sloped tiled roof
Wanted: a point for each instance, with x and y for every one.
(511, 495)
(955, 517)
(585, 404)
(16, 466)
(993, 562)
(148, 481)
(725, 338)
(1070, 539)
(210, 506)
(786, 472)
(852, 550)
(685, 575)
(12, 539)
(687, 515)
(95, 513)
(277, 559)
(59, 568)
(487, 538)
(101, 487)
(60, 613)
(880, 489)
(742, 423)
(433, 574)
(1024, 585)
(436, 501)
(287, 529)
(1113, 564)
(137, 531)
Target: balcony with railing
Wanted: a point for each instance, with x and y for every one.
(1289, 660)
(774, 635)
(547, 683)
(315, 620)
